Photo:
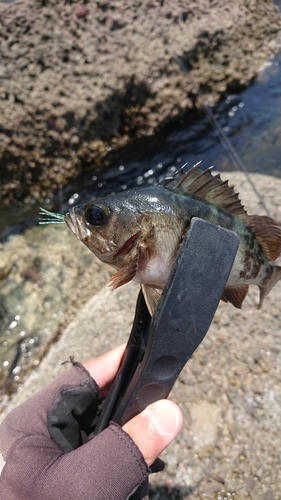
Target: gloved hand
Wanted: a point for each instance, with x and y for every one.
(46, 447)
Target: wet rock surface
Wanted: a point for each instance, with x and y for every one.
(46, 276)
(80, 82)
(229, 392)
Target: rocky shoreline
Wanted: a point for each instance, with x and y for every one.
(78, 84)
(229, 392)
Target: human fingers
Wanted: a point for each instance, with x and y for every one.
(155, 428)
(104, 368)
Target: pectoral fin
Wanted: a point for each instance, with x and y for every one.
(124, 275)
(151, 296)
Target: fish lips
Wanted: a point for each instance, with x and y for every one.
(75, 223)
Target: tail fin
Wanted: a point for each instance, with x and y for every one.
(269, 283)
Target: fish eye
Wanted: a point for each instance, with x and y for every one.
(96, 215)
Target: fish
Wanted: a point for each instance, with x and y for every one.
(139, 233)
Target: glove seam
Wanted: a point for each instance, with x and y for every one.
(89, 382)
(133, 449)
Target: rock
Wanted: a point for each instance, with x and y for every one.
(78, 84)
(81, 11)
(40, 272)
(87, 335)
(204, 425)
(5, 264)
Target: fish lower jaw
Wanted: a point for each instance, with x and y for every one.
(76, 226)
(69, 222)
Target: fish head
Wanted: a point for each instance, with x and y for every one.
(108, 227)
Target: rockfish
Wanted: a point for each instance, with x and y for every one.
(139, 233)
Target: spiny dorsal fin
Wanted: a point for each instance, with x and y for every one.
(205, 185)
(235, 295)
(268, 234)
(174, 182)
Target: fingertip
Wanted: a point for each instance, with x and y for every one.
(166, 417)
(155, 428)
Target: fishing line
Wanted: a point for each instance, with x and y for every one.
(233, 154)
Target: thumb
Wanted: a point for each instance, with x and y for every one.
(155, 428)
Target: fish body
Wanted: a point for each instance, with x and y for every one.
(139, 233)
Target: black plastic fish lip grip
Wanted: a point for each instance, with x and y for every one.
(159, 347)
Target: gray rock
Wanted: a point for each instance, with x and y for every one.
(103, 322)
(40, 272)
(204, 425)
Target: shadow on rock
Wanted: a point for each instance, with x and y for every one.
(169, 493)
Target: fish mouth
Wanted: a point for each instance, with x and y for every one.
(76, 225)
(69, 222)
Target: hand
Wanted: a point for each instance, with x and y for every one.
(153, 429)
(52, 431)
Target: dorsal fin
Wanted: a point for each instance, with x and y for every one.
(268, 234)
(205, 185)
